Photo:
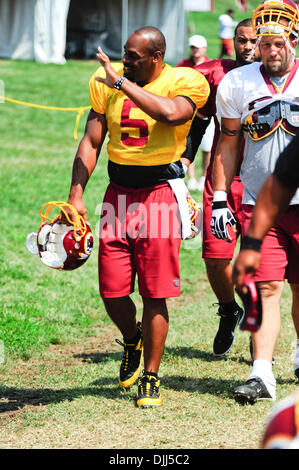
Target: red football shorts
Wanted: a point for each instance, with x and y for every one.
(140, 233)
(280, 247)
(213, 247)
(227, 47)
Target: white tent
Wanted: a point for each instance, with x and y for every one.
(33, 29)
(44, 30)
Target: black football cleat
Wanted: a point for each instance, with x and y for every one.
(148, 391)
(253, 390)
(131, 360)
(226, 332)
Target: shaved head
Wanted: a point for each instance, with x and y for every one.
(143, 55)
(155, 37)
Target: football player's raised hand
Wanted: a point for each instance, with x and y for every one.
(111, 75)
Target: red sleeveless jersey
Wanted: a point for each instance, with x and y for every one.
(214, 71)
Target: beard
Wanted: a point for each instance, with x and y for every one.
(274, 68)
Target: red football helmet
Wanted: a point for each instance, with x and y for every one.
(61, 246)
(252, 302)
(276, 18)
(282, 428)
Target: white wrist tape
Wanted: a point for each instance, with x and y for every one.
(220, 196)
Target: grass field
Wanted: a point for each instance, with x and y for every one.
(58, 376)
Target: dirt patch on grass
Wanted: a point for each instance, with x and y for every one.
(21, 389)
(103, 343)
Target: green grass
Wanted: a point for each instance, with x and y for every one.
(36, 159)
(59, 380)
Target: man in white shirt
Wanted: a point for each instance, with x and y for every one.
(226, 33)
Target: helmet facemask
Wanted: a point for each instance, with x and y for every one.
(275, 22)
(276, 18)
(60, 245)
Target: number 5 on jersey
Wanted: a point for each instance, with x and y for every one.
(140, 124)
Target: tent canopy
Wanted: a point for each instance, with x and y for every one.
(50, 30)
(33, 29)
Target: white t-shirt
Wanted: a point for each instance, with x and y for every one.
(226, 26)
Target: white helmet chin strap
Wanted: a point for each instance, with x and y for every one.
(292, 49)
(254, 49)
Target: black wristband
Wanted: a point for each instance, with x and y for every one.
(119, 83)
(250, 243)
(219, 205)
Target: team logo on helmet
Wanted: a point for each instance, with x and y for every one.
(59, 245)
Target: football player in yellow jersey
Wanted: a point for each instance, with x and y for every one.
(147, 108)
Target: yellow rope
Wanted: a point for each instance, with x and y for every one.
(80, 110)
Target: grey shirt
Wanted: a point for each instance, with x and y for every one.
(259, 161)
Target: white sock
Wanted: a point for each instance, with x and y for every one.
(263, 369)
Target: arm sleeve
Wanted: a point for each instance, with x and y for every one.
(287, 165)
(194, 138)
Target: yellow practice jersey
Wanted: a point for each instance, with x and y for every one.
(134, 137)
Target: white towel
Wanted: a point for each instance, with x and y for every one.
(180, 190)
